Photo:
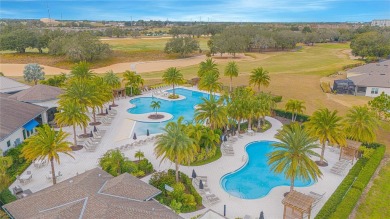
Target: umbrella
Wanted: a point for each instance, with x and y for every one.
(193, 174)
(261, 215)
(147, 132)
(91, 135)
(94, 129)
(201, 184)
(106, 111)
(135, 136)
(225, 138)
(109, 107)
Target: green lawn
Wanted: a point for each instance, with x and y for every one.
(377, 202)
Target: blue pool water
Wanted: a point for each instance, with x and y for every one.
(177, 108)
(255, 179)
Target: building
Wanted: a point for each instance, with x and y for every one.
(93, 194)
(21, 112)
(371, 79)
(17, 121)
(10, 86)
(381, 23)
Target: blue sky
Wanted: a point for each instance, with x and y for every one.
(213, 10)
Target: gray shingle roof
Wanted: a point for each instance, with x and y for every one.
(38, 93)
(15, 114)
(80, 197)
(8, 85)
(371, 75)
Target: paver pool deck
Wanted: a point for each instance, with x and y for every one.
(120, 132)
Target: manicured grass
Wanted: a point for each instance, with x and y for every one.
(376, 204)
(217, 155)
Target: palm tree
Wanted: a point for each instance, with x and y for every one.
(47, 144)
(113, 81)
(259, 77)
(212, 111)
(295, 107)
(132, 79)
(139, 154)
(81, 71)
(175, 145)
(207, 66)
(5, 163)
(71, 113)
(155, 105)
(173, 76)
(326, 126)
(361, 124)
(113, 161)
(292, 154)
(209, 82)
(231, 70)
(264, 103)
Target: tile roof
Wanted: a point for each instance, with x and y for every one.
(15, 114)
(38, 93)
(371, 75)
(81, 197)
(8, 85)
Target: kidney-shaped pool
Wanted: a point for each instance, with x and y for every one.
(255, 179)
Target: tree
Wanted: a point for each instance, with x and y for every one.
(175, 145)
(56, 80)
(326, 126)
(207, 66)
(231, 71)
(259, 77)
(295, 107)
(70, 112)
(371, 44)
(155, 105)
(361, 124)
(211, 111)
(114, 162)
(133, 80)
(381, 105)
(5, 163)
(209, 82)
(292, 154)
(173, 76)
(264, 103)
(33, 72)
(139, 154)
(113, 81)
(47, 144)
(181, 45)
(81, 71)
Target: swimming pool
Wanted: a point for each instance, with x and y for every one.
(255, 179)
(177, 108)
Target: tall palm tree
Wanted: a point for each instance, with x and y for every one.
(113, 81)
(361, 124)
(70, 112)
(155, 105)
(259, 77)
(175, 145)
(231, 70)
(5, 163)
(326, 126)
(292, 154)
(132, 79)
(295, 107)
(263, 105)
(173, 76)
(47, 144)
(207, 66)
(139, 154)
(103, 95)
(212, 111)
(81, 70)
(209, 82)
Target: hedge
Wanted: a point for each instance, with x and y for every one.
(6, 196)
(344, 199)
(288, 115)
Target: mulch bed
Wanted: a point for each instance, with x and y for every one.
(95, 123)
(113, 105)
(76, 148)
(154, 116)
(85, 135)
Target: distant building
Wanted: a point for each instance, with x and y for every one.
(93, 194)
(371, 79)
(380, 23)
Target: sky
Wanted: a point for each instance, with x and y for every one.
(203, 10)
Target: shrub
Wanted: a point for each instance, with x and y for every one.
(326, 87)
(277, 99)
(6, 196)
(346, 206)
(145, 166)
(288, 115)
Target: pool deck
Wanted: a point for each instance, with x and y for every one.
(122, 126)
